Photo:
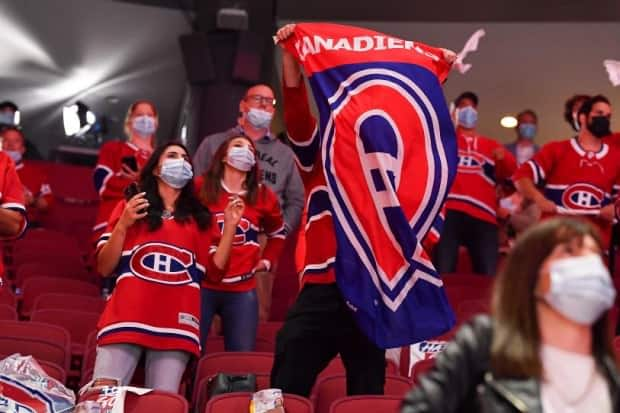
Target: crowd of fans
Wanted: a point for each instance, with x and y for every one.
(181, 239)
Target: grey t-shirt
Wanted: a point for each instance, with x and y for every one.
(277, 163)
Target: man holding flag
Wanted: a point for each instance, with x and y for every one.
(376, 168)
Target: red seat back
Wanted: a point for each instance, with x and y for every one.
(73, 302)
(8, 312)
(375, 404)
(79, 324)
(71, 269)
(232, 362)
(36, 286)
(7, 297)
(37, 348)
(240, 402)
(54, 370)
(331, 388)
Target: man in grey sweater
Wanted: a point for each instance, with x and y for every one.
(275, 159)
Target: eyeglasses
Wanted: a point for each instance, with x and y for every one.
(261, 100)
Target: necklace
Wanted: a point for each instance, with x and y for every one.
(166, 214)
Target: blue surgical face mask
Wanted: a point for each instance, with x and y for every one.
(259, 119)
(467, 117)
(7, 118)
(176, 172)
(581, 288)
(241, 158)
(527, 130)
(144, 126)
(15, 155)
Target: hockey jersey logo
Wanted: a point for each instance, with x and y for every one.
(162, 263)
(470, 163)
(245, 231)
(582, 196)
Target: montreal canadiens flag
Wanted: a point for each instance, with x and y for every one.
(389, 157)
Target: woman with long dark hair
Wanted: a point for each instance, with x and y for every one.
(157, 242)
(234, 175)
(547, 345)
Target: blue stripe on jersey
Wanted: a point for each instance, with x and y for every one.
(306, 154)
(99, 177)
(318, 203)
(147, 332)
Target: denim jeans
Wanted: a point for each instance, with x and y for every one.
(239, 312)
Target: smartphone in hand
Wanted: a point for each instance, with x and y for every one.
(132, 190)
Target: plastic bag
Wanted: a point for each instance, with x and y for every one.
(26, 388)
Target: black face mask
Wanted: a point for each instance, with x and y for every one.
(599, 126)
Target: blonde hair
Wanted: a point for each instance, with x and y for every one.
(130, 111)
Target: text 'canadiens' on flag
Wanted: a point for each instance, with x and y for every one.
(389, 157)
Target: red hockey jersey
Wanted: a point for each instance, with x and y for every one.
(265, 216)
(108, 181)
(483, 165)
(318, 232)
(579, 182)
(156, 302)
(33, 176)
(11, 196)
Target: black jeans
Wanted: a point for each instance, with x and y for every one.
(317, 328)
(479, 237)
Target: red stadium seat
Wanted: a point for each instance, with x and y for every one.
(262, 382)
(8, 312)
(74, 302)
(67, 269)
(7, 297)
(54, 370)
(330, 388)
(375, 404)
(240, 402)
(38, 348)
(40, 340)
(79, 324)
(155, 401)
(232, 362)
(37, 286)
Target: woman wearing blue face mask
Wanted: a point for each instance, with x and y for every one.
(158, 243)
(234, 174)
(120, 161)
(547, 345)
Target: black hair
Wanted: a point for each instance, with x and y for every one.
(466, 95)
(587, 106)
(568, 107)
(528, 112)
(187, 205)
(7, 104)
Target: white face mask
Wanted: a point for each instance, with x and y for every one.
(176, 172)
(144, 126)
(241, 158)
(258, 118)
(581, 288)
